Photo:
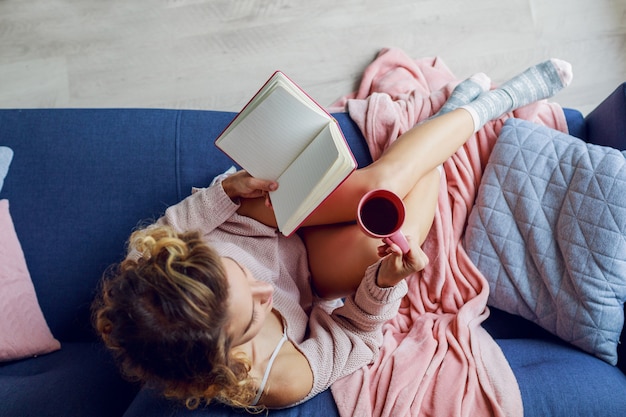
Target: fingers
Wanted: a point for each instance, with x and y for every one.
(405, 263)
(262, 185)
(243, 185)
(261, 188)
(389, 248)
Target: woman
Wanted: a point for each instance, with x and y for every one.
(212, 303)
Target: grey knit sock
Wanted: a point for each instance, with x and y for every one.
(465, 92)
(536, 83)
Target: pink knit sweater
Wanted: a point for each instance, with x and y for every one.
(335, 341)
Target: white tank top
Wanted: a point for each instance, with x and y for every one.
(266, 375)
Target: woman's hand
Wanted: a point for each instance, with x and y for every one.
(243, 185)
(397, 266)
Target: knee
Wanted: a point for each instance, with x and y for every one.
(373, 178)
(397, 182)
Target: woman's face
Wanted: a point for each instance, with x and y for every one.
(249, 303)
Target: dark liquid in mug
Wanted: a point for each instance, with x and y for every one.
(379, 216)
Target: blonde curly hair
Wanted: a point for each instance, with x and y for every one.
(163, 316)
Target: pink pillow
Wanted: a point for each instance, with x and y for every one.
(23, 328)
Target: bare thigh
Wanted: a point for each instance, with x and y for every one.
(338, 256)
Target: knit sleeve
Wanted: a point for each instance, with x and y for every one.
(204, 210)
(350, 337)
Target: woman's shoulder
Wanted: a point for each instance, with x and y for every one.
(291, 378)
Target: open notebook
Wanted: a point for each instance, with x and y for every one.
(282, 134)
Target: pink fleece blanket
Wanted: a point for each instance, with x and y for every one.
(436, 359)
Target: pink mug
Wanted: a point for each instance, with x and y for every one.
(381, 215)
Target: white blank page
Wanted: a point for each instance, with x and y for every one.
(274, 132)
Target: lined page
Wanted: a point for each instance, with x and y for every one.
(273, 134)
(299, 180)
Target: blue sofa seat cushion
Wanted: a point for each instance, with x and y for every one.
(556, 379)
(149, 403)
(80, 377)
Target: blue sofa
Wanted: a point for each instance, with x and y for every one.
(82, 179)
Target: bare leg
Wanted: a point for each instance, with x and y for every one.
(411, 157)
(427, 145)
(340, 253)
(409, 168)
(414, 154)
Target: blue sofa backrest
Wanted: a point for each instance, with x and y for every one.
(606, 124)
(82, 180)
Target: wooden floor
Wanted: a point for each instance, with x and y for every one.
(213, 54)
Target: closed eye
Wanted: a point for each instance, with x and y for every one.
(253, 319)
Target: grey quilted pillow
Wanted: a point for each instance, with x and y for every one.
(6, 155)
(548, 231)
